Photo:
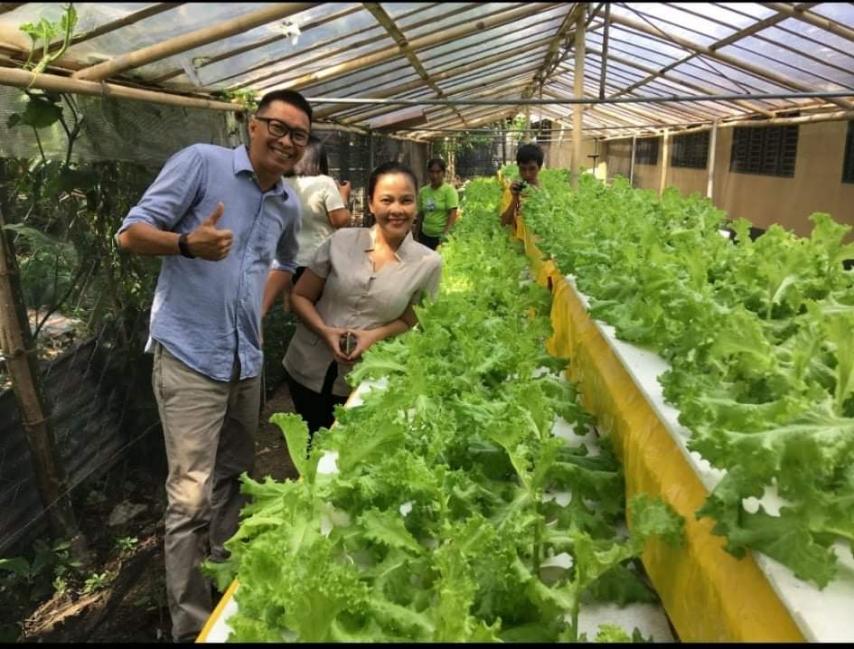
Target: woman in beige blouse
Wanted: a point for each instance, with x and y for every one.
(362, 282)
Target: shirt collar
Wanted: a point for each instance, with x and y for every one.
(403, 251)
(242, 163)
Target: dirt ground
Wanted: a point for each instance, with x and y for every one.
(131, 606)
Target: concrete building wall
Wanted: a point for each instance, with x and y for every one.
(816, 186)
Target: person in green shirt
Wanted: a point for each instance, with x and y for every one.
(437, 206)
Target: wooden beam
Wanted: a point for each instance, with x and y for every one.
(711, 52)
(385, 20)
(185, 42)
(812, 18)
(335, 15)
(578, 93)
(423, 42)
(326, 54)
(130, 19)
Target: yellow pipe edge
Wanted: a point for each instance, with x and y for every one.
(217, 612)
(708, 594)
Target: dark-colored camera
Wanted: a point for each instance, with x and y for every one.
(347, 343)
(520, 185)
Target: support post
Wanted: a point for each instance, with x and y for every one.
(632, 162)
(604, 70)
(578, 93)
(713, 141)
(665, 158)
(18, 347)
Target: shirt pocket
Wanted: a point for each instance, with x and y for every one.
(267, 233)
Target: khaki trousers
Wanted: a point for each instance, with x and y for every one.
(209, 428)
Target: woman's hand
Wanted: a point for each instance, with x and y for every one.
(364, 339)
(332, 338)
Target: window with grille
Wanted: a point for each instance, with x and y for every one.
(646, 151)
(764, 150)
(690, 150)
(848, 160)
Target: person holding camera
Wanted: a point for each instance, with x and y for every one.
(359, 288)
(529, 158)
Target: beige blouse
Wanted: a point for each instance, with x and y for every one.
(355, 296)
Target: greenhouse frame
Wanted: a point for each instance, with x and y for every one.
(660, 124)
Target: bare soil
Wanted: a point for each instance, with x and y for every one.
(130, 605)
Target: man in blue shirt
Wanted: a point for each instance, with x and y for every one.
(221, 218)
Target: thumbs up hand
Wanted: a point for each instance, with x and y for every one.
(209, 242)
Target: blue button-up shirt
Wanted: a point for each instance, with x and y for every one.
(206, 313)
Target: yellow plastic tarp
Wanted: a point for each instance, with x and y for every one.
(708, 594)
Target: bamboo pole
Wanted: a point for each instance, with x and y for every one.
(189, 41)
(812, 18)
(665, 162)
(713, 145)
(578, 83)
(604, 67)
(554, 45)
(18, 347)
(397, 36)
(26, 79)
(424, 42)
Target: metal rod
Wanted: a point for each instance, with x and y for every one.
(567, 100)
(604, 69)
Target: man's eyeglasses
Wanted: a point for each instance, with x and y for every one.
(278, 128)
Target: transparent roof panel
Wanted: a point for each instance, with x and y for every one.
(672, 20)
(175, 22)
(792, 66)
(495, 37)
(838, 11)
(330, 40)
(668, 51)
(829, 45)
(785, 61)
(452, 14)
(310, 36)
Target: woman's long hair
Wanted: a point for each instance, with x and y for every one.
(314, 161)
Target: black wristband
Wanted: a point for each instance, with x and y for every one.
(184, 247)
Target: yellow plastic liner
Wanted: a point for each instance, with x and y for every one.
(708, 594)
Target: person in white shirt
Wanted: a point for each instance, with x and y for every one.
(323, 208)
